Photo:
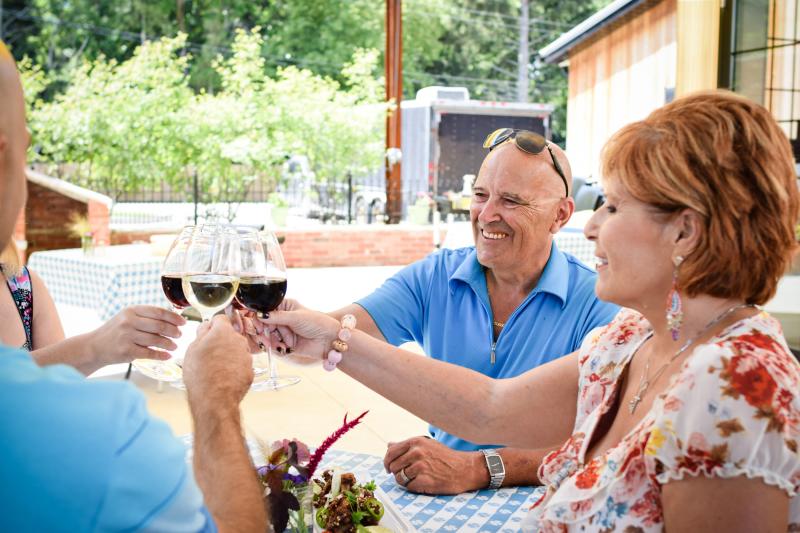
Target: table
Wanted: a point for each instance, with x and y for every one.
(113, 278)
(485, 511)
(496, 511)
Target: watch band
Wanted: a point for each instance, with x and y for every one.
(497, 470)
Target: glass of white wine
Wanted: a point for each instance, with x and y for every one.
(211, 269)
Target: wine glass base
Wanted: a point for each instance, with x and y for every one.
(267, 383)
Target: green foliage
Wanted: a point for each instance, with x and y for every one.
(470, 43)
(138, 123)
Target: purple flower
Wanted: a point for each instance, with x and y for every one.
(297, 480)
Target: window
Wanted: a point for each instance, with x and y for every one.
(760, 57)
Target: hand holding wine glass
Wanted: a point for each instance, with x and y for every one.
(262, 287)
(169, 369)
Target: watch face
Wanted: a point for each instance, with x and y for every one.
(495, 464)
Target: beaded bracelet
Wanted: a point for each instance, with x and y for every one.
(339, 345)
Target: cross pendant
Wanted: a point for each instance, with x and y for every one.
(633, 403)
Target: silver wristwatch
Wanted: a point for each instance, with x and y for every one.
(497, 470)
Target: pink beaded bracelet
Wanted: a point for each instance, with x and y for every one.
(339, 345)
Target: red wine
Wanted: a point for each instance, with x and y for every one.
(237, 304)
(173, 290)
(261, 294)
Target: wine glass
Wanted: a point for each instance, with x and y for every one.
(210, 269)
(262, 287)
(171, 284)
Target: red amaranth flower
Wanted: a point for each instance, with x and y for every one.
(316, 457)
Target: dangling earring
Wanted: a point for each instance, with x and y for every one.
(674, 307)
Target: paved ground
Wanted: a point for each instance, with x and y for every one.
(315, 407)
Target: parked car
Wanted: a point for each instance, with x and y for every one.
(327, 199)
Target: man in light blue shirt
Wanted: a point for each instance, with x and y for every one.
(508, 304)
(78, 455)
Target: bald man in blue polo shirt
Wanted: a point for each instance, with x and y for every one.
(510, 303)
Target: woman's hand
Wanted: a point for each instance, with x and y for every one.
(259, 335)
(299, 332)
(133, 333)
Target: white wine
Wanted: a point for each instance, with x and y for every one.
(209, 293)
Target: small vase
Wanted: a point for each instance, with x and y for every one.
(87, 244)
(301, 521)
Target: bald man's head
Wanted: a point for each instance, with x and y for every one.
(14, 141)
(541, 165)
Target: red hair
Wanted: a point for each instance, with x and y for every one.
(726, 158)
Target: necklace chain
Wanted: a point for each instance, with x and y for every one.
(498, 324)
(644, 381)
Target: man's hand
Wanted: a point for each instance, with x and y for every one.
(133, 333)
(433, 468)
(218, 371)
(218, 366)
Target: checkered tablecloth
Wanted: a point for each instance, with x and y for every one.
(572, 241)
(485, 510)
(114, 278)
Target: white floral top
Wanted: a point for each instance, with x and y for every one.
(731, 410)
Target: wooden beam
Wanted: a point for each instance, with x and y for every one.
(394, 94)
(698, 45)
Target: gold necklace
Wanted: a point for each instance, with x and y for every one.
(644, 382)
(498, 324)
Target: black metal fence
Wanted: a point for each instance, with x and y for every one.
(346, 199)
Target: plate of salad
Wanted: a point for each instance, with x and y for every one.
(344, 505)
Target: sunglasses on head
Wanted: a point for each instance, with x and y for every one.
(527, 141)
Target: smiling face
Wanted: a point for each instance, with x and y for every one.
(517, 204)
(14, 142)
(635, 246)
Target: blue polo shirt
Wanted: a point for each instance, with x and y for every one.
(442, 303)
(84, 455)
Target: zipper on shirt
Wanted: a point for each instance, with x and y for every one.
(492, 357)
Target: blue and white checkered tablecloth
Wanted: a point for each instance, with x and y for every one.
(481, 511)
(114, 278)
(484, 511)
(572, 241)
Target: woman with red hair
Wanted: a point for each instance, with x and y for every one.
(683, 413)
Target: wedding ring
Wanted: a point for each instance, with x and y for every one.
(404, 479)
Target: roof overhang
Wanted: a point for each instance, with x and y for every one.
(67, 189)
(558, 49)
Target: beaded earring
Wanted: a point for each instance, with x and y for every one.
(674, 304)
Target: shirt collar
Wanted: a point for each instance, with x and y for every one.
(554, 279)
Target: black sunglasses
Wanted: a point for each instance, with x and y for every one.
(527, 141)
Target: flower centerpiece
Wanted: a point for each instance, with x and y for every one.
(286, 478)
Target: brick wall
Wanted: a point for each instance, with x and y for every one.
(327, 246)
(356, 245)
(47, 218)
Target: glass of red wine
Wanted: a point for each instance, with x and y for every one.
(172, 273)
(262, 286)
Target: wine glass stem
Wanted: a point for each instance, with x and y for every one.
(273, 374)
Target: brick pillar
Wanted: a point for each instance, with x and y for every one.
(99, 220)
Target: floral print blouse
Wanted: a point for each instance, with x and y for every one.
(731, 410)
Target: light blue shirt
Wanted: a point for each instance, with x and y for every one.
(442, 303)
(84, 455)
